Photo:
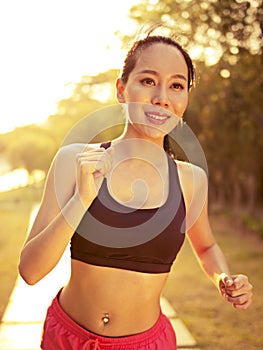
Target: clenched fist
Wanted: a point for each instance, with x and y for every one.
(236, 290)
(93, 164)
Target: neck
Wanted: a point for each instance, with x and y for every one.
(128, 148)
(131, 133)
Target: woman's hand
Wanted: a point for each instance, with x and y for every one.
(92, 166)
(236, 290)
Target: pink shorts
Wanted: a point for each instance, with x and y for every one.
(61, 332)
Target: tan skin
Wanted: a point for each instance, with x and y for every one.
(130, 298)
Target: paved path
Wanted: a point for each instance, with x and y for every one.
(22, 322)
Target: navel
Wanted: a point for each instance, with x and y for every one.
(106, 318)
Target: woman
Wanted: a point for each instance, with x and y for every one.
(112, 298)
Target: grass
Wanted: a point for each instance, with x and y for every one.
(23, 195)
(15, 207)
(14, 222)
(214, 324)
(253, 223)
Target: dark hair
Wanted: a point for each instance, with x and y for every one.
(140, 45)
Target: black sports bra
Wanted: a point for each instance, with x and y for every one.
(145, 240)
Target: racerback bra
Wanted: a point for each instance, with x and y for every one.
(145, 240)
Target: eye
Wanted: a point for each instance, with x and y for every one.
(177, 86)
(148, 81)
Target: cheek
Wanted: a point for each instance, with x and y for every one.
(136, 94)
(180, 104)
(134, 111)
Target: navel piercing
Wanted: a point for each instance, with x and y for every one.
(106, 318)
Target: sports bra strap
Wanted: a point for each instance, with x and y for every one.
(105, 145)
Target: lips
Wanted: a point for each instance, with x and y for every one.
(157, 118)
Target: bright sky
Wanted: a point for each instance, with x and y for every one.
(46, 44)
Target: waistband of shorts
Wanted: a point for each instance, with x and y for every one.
(146, 336)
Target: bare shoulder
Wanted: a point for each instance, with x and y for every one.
(59, 186)
(66, 157)
(64, 168)
(187, 168)
(73, 149)
(191, 174)
(61, 177)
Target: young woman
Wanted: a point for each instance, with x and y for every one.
(141, 202)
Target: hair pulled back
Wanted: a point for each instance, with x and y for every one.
(140, 45)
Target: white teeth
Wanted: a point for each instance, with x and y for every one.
(157, 117)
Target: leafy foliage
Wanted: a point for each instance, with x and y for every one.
(34, 146)
(225, 110)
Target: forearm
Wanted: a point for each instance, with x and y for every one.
(41, 254)
(213, 262)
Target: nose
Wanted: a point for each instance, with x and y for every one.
(160, 97)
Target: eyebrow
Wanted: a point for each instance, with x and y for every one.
(149, 71)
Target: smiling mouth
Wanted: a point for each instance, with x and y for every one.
(157, 118)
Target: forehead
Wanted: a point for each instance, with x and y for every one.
(162, 57)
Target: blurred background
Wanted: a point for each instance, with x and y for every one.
(59, 62)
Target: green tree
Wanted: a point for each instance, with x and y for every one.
(224, 26)
(225, 110)
(34, 146)
(89, 94)
(30, 147)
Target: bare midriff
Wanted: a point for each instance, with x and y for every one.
(112, 302)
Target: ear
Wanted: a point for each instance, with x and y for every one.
(120, 90)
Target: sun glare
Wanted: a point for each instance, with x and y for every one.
(210, 55)
(53, 44)
(14, 179)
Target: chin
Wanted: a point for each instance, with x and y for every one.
(154, 133)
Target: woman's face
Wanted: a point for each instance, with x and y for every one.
(156, 91)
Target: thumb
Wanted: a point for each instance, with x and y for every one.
(226, 280)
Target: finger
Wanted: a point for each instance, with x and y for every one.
(85, 182)
(108, 162)
(98, 163)
(240, 299)
(234, 282)
(81, 157)
(86, 168)
(90, 161)
(92, 148)
(240, 280)
(238, 291)
(243, 306)
(92, 152)
(105, 163)
(225, 280)
(102, 166)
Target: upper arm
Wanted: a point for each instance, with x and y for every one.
(194, 184)
(59, 188)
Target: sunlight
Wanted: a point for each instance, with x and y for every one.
(102, 92)
(210, 55)
(14, 179)
(225, 73)
(37, 66)
(195, 52)
(20, 178)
